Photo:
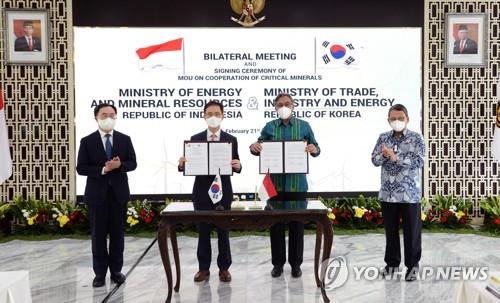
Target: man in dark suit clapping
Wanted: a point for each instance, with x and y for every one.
(213, 114)
(105, 156)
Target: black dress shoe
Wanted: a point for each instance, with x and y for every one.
(99, 281)
(296, 272)
(276, 272)
(389, 271)
(118, 278)
(411, 274)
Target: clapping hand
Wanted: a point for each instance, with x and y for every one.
(388, 153)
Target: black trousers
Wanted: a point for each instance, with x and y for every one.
(204, 251)
(287, 200)
(412, 233)
(295, 243)
(107, 218)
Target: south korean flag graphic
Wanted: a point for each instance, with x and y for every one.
(215, 191)
(337, 55)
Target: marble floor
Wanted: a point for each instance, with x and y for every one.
(60, 271)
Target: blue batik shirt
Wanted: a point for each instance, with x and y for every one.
(400, 179)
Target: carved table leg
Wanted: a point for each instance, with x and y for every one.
(175, 249)
(163, 230)
(317, 249)
(327, 248)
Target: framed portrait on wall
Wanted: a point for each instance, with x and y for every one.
(466, 40)
(27, 36)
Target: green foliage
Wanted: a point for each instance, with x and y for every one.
(452, 211)
(4, 209)
(36, 217)
(366, 212)
(491, 206)
(359, 212)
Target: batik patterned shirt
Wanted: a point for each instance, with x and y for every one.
(400, 179)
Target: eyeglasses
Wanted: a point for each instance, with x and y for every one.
(402, 119)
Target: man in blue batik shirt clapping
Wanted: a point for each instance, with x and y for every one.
(401, 154)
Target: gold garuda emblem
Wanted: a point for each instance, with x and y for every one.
(247, 9)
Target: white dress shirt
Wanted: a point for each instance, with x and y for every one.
(103, 138)
(217, 135)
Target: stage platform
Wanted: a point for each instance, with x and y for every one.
(61, 271)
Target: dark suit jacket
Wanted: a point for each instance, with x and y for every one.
(200, 197)
(21, 44)
(91, 160)
(469, 48)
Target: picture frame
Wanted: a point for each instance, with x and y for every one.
(27, 33)
(466, 40)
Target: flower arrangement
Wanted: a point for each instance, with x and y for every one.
(452, 210)
(4, 209)
(5, 219)
(32, 216)
(366, 212)
(69, 217)
(34, 212)
(491, 206)
(60, 214)
(359, 212)
(427, 213)
(141, 213)
(39, 216)
(132, 216)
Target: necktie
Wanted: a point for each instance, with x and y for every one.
(109, 147)
(462, 46)
(213, 137)
(30, 43)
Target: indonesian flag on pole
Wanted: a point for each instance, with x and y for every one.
(169, 55)
(495, 145)
(267, 189)
(215, 190)
(5, 159)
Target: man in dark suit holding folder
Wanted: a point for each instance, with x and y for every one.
(213, 114)
(105, 156)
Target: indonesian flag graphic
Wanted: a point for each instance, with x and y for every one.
(5, 159)
(169, 55)
(267, 189)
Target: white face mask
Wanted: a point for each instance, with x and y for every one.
(106, 124)
(398, 126)
(284, 112)
(213, 122)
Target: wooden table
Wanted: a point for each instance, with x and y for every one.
(251, 215)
